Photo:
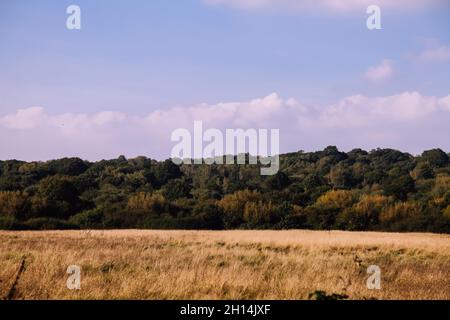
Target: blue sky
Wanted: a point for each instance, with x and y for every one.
(141, 57)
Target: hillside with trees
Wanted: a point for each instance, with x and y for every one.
(381, 190)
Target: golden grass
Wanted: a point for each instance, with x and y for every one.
(136, 264)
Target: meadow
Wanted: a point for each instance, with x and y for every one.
(135, 264)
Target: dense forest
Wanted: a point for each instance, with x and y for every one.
(384, 189)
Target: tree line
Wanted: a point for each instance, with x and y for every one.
(380, 190)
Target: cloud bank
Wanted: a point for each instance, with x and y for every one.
(408, 121)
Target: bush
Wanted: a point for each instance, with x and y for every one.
(364, 215)
(89, 219)
(401, 216)
(294, 221)
(209, 212)
(320, 218)
(336, 199)
(47, 224)
(257, 213)
(176, 189)
(436, 157)
(169, 222)
(153, 203)
(8, 223)
(399, 187)
(446, 212)
(233, 206)
(13, 204)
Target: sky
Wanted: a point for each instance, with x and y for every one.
(137, 70)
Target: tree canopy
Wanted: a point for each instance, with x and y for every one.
(383, 190)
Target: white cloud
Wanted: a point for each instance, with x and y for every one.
(407, 121)
(253, 113)
(444, 103)
(380, 72)
(328, 5)
(23, 118)
(438, 54)
(361, 111)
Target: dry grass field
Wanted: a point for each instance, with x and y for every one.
(222, 265)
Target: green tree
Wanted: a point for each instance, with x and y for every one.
(177, 188)
(436, 158)
(399, 187)
(61, 196)
(13, 204)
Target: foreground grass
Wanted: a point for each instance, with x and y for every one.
(222, 265)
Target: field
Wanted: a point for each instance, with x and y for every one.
(222, 265)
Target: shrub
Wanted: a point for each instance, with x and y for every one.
(13, 203)
(401, 216)
(436, 157)
(336, 199)
(47, 224)
(364, 215)
(88, 219)
(210, 213)
(257, 213)
(422, 171)
(177, 188)
(233, 206)
(153, 203)
(441, 186)
(8, 223)
(446, 212)
(399, 187)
